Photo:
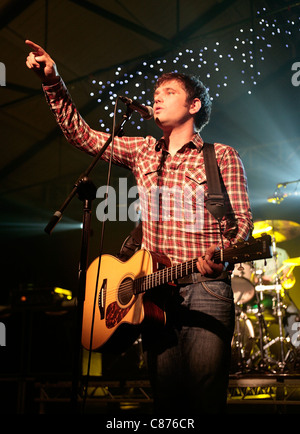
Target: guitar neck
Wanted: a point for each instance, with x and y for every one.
(161, 277)
(242, 252)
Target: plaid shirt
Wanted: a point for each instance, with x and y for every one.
(172, 189)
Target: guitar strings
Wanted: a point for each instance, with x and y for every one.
(143, 283)
(160, 277)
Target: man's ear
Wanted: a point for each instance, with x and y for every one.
(195, 106)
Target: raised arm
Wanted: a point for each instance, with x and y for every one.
(75, 129)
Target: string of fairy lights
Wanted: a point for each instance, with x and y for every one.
(234, 63)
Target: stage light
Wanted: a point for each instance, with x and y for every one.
(64, 293)
(282, 191)
(37, 228)
(276, 198)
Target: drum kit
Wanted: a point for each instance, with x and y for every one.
(261, 296)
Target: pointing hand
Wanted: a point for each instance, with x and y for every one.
(41, 63)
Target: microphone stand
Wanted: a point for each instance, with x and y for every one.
(86, 192)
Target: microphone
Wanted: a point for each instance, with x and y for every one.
(145, 111)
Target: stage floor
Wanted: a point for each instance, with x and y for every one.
(247, 393)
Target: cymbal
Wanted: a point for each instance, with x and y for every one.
(282, 230)
(292, 262)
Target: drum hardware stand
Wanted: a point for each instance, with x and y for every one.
(262, 324)
(262, 327)
(238, 341)
(279, 311)
(281, 339)
(282, 361)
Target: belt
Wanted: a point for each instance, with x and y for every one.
(197, 277)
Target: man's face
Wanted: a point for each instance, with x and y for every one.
(171, 108)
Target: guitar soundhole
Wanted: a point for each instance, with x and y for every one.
(126, 291)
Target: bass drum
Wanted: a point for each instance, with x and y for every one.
(242, 283)
(243, 344)
(267, 305)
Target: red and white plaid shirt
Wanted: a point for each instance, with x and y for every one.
(184, 228)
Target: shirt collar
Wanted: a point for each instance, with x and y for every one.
(196, 142)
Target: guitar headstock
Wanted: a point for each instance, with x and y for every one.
(250, 250)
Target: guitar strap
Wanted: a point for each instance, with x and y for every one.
(215, 202)
(132, 243)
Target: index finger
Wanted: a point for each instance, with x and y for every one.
(35, 46)
(210, 252)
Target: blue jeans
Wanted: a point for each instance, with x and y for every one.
(188, 360)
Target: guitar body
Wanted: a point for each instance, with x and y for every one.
(118, 310)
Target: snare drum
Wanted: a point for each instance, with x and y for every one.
(242, 279)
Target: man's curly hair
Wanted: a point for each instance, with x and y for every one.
(194, 89)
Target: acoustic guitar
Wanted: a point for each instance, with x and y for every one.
(114, 301)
